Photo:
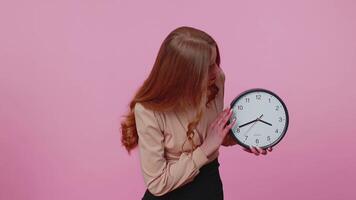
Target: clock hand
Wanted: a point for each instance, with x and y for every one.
(251, 121)
(265, 122)
(247, 123)
(256, 120)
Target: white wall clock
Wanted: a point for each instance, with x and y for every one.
(261, 118)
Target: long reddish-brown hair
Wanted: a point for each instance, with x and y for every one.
(179, 79)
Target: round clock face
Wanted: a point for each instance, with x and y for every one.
(261, 118)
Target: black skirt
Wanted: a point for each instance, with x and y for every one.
(206, 185)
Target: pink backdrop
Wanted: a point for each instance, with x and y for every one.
(69, 68)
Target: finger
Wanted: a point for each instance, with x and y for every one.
(258, 150)
(216, 121)
(228, 127)
(222, 117)
(225, 118)
(254, 150)
(247, 150)
(262, 151)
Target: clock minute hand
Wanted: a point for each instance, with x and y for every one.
(247, 123)
(251, 121)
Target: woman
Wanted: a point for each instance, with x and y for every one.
(177, 119)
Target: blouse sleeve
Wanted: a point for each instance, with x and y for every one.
(159, 175)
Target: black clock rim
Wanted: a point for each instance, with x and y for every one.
(271, 93)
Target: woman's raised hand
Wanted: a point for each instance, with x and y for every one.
(217, 131)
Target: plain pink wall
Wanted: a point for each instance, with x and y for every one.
(68, 69)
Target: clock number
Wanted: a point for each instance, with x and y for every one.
(258, 97)
(269, 100)
(280, 119)
(268, 138)
(257, 141)
(247, 100)
(277, 108)
(240, 107)
(246, 137)
(276, 130)
(238, 130)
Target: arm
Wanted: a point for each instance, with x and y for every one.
(159, 175)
